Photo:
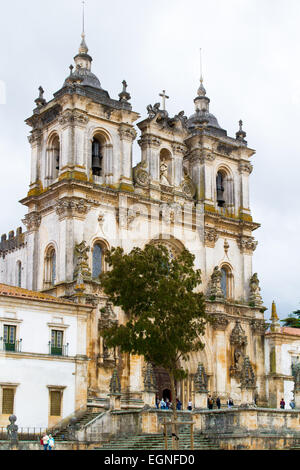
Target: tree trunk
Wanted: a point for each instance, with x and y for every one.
(175, 440)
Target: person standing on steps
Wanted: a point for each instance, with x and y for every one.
(282, 404)
(218, 402)
(210, 402)
(51, 442)
(45, 440)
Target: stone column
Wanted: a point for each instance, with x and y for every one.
(245, 169)
(35, 140)
(127, 135)
(219, 325)
(200, 383)
(150, 146)
(34, 257)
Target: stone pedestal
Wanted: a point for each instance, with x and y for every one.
(114, 401)
(201, 400)
(149, 398)
(247, 396)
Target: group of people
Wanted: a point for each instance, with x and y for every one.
(47, 442)
(282, 404)
(166, 404)
(211, 401)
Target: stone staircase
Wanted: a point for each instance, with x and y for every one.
(62, 434)
(157, 442)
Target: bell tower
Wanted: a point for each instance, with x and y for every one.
(81, 141)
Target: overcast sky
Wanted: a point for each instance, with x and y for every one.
(251, 65)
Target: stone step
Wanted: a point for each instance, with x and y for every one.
(156, 442)
(86, 418)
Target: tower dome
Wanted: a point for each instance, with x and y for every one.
(82, 74)
(202, 116)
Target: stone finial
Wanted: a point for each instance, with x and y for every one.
(149, 379)
(115, 384)
(40, 101)
(124, 95)
(215, 290)
(200, 380)
(241, 134)
(274, 316)
(255, 299)
(247, 374)
(275, 325)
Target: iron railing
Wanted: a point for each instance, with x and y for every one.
(10, 346)
(25, 434)
(58, 351)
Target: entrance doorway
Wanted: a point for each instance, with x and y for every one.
(167, 394)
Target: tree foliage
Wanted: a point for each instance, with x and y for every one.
(165, 316)
(293, 320)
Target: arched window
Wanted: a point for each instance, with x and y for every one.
(56, 153)
(220, 189)
(19, 274)
(227, 284)
(97, 260)
(53, 159)
(225, 190)
(224, 281)
(97, 157)
(50, 267)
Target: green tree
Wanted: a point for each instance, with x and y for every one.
(293, 320)
(165, 316)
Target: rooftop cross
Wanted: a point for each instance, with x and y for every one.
(83, 4)
(201, 71)
(164, 97)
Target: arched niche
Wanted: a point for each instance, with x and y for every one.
(166, 172)
(50, 266)
(224, 188)
(227, 281)
(53, 158)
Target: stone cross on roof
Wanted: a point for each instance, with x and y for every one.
(164, 98)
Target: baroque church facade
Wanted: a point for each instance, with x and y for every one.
(190, 189)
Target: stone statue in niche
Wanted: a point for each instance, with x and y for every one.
(164, 173)
(81, 260)
(255, 295)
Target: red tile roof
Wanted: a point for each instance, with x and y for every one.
(290, 331)
(11, 291)
(286, 330)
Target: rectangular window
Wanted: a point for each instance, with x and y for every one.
(9, 337)
(57, 342)
(55, 403)
(8, 401)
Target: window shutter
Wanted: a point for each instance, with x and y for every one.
(8, 401)
(55, 405)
